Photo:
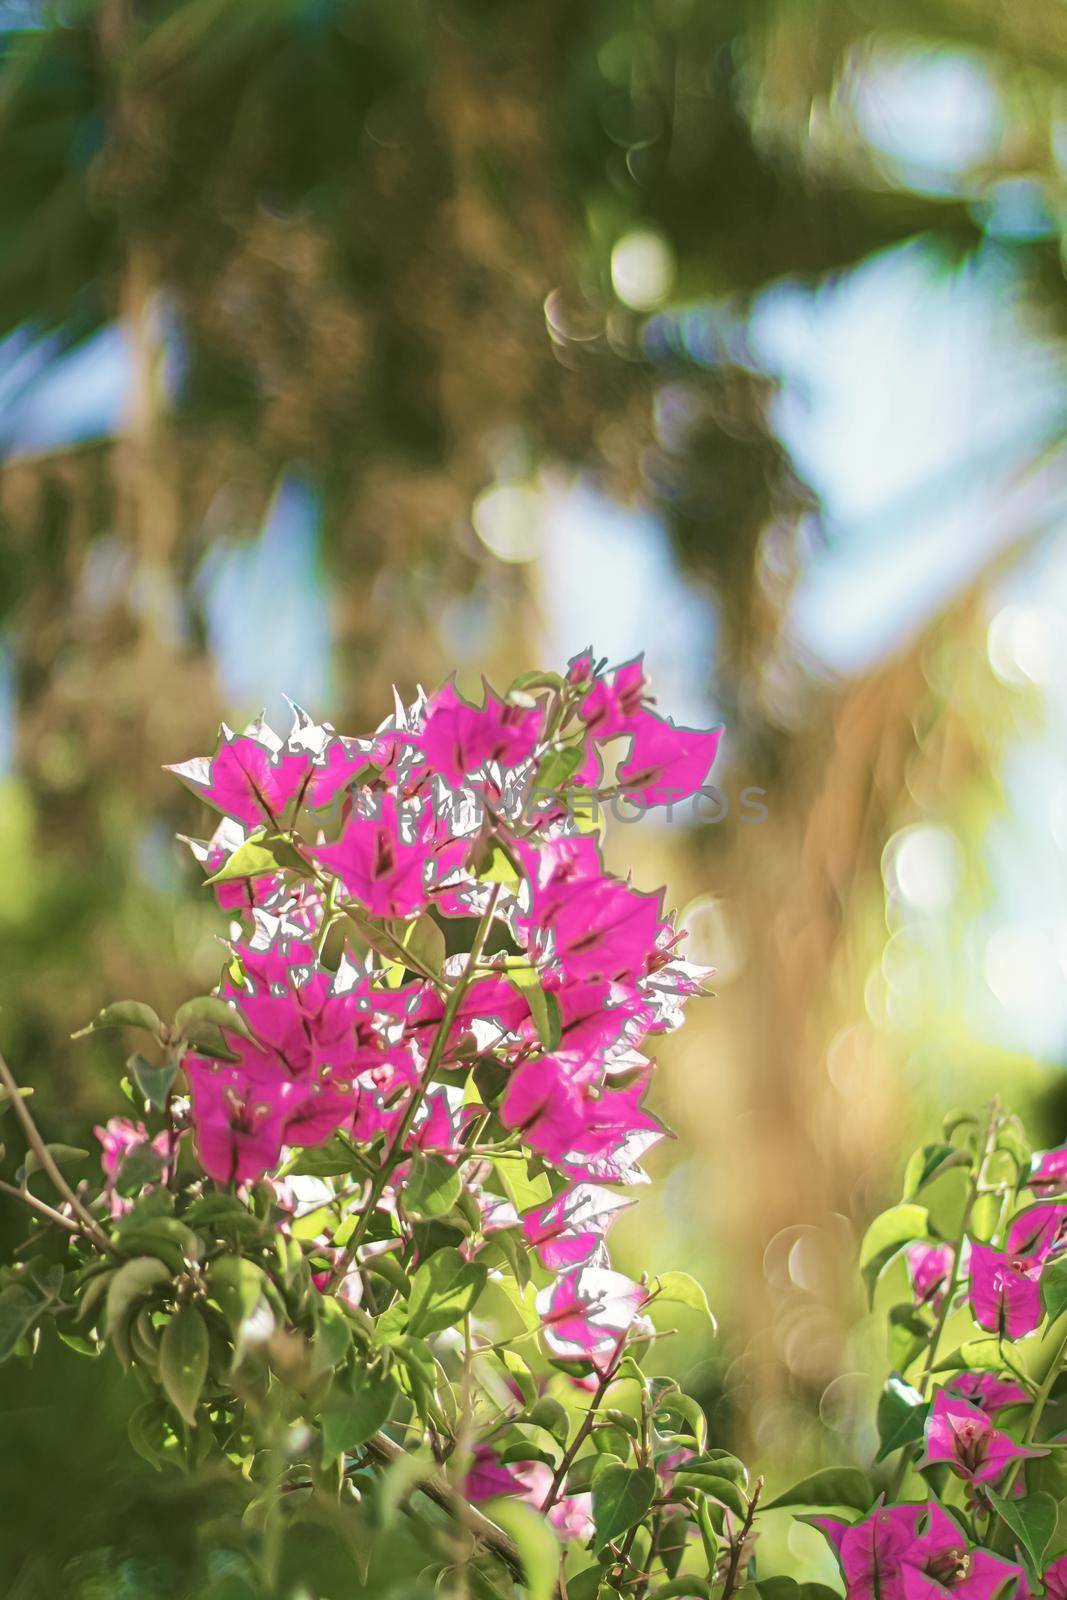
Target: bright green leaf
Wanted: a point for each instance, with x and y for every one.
(443, 1290)
(888, 1234)
(681, 1289)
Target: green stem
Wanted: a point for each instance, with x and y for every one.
(908, 1455)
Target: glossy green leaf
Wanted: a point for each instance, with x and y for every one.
(621, 1497)
(1031, 1518)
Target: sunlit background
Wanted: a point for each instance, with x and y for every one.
(345, 342)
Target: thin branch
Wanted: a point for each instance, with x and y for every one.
(42, 1207)
(738, 1544)
(443, 1494)
(87, 1223)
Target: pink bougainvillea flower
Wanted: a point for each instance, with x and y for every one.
(488, 1478)
(963, 1436)
(544, 1101)
(587, 1313)
(666, 764)
(1055, 1580)
(569, 1229)
(986, 1391)
(457, 739)
(377, 863)
(239, 1128)
(1039, 1231)
(917, 1552)
(871, 1551)
(930, 1270)
(117, 1138)
(611, 1116)
(612, 703)
(1048, 1172)
(597, 928)
(1005, 1293)
(941, 1562)
(251, 777)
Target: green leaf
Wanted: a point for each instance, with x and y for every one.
(236, 1284)
(835, 1486)
(523, 1189)
(64, 1155)
(147, 1433)
(929, 1163)
(124, 1014)
(1032, 1519)
(1054, 1287)
(183, 1361)
(250, 860)
(974, 1355)
(712, 1484)
(548, 1413)
(19, 1310)
(685, 1589)
(621, 1496)
(681, 1289)
(6, 1100)
(784, 1588)
(538, 1548)
(211, 1008)
(443, 1290)
(559, 766)
(166, 1238)
(544, 1008)
(133, 1282)
(154, 1082)
(691, 1413)
(422, 939)
(886, 1235)
(433, 1187)
(500, 868)
(902, 1415)
(356, 1407)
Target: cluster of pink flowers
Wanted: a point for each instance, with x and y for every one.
(1003, 1285)
(918, 1552)
(448, 815)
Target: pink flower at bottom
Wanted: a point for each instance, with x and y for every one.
(917, 1552)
